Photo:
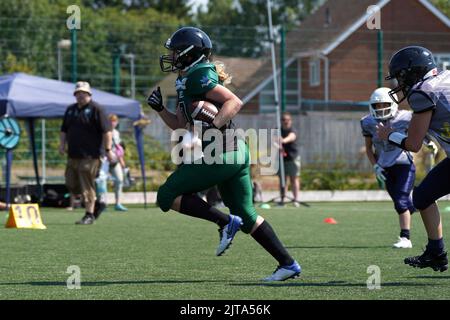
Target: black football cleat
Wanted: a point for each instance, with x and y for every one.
(87, 219)
(438, 262)
(98, 209)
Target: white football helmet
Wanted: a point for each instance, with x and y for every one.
(381, 95)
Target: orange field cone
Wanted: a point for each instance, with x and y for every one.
(330, 221)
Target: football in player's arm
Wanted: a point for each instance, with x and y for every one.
(428, 94)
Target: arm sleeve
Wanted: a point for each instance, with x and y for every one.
(103, 122)
(64, 122)
(420, 102)
(201, 81)
(365, 131)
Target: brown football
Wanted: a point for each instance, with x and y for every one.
(204, 111)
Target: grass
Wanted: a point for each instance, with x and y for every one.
(146, 254)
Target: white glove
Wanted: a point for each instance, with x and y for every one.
(192, 147)
(432, 147)
(379, 172)
(191, 140)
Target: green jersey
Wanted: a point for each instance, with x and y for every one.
(194, 85)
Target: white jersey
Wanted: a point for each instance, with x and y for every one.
(434, 94)
(386, 153)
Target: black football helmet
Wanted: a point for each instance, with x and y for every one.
(409, 66)
(188, 47)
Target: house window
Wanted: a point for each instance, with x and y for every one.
(443, 61)
(267, 99)
(314, 73)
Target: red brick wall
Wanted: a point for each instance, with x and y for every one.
(252, 106)
(353, 67)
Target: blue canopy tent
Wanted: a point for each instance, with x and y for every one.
(28, 97)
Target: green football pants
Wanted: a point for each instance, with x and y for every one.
(232, 178)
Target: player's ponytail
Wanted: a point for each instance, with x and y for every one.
(224, 77)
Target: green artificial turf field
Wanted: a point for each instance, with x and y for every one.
(146, 254)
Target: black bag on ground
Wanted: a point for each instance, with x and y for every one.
(55, 195)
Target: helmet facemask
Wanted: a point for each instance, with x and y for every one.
(167, 62)
(389, 110)
(176, 59)
(404, 85)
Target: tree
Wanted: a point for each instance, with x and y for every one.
(25, 34)
(142, 32)
(240, 27)
(177, 8)
(11, 65)
(443, 5)
(30, 31)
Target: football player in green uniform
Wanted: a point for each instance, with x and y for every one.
(198, 79)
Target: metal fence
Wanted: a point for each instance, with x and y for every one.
(124, 59)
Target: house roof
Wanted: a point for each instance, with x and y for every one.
(346, 16)
(324, 30)
(315, 33)
(241, 70)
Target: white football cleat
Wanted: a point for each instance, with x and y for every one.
(403, 243)
(285, 272)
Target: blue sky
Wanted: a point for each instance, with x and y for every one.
(196, 3)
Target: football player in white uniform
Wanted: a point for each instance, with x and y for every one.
(393, 166)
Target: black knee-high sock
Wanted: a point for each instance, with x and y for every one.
(194, 206)
(267, 238)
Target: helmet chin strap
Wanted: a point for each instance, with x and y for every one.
(195, 62)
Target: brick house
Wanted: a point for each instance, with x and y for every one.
(332, 64)
(334, 61)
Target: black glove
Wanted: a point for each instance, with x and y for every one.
(155, 100)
